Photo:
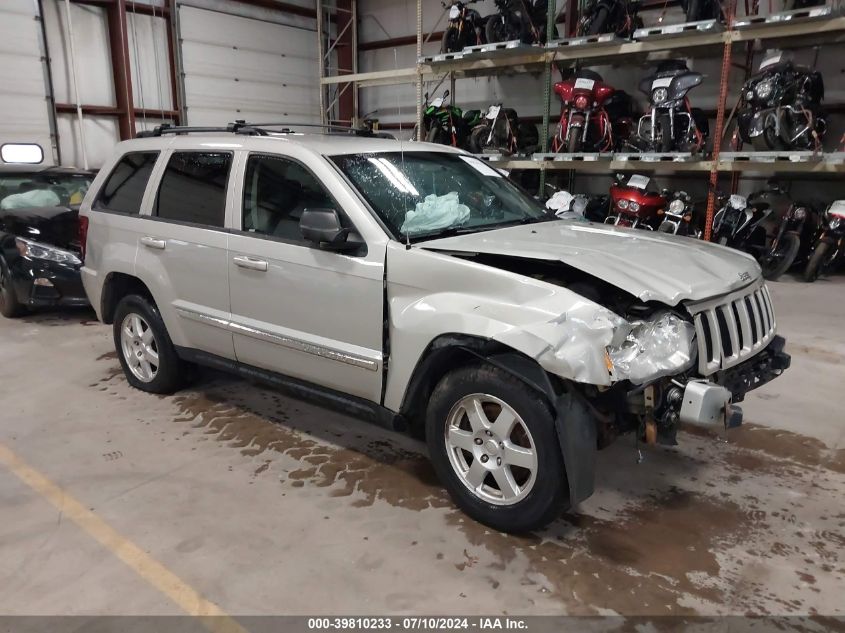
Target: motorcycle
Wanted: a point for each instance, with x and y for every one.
(829, 245)
(769, 225)
(523, 20)
(697, 10)
(594, 117)
(672, 125)
(635, 202)
(677, 216)
(502, 131)
(781, 107)
(610, 16)
(466, 27)
(447, 124)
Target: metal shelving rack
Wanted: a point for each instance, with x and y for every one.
(811, 27)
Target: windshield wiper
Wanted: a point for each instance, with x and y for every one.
(449, 231)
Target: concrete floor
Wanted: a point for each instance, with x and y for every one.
(266, 505)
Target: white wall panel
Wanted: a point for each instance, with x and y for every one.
(242, 68)
(148, 58)
(91, 44)
(101, 135)
(24, 107)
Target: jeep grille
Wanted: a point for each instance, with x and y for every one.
(732, 328)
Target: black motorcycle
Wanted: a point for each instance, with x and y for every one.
(466, 27)
(501, 131)
(610, 16)
(697, 10)
(781, 107)
(672, 125)
(829, 245)
(769, 225)
(523, 20)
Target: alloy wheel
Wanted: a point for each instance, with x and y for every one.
(139, 347)
(491, 449)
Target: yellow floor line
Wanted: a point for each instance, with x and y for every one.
(156, 574)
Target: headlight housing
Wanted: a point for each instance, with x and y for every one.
(659, 95)
(45, 252)
(763, 90)
(676, 206)
(633, 206)
(622, 204)
(660, 346)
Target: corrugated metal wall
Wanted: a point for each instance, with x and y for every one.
(238, 67)
(24, 105)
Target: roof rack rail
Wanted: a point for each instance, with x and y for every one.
(238, 127)
(258, 129)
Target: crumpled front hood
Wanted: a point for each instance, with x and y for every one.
(650, 266)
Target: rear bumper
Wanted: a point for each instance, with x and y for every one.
(41, 284)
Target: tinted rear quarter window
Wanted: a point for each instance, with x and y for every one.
(193, 188)
(125, 186)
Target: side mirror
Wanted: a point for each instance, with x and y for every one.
(323, 228)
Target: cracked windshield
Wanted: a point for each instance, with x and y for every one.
(421, 195)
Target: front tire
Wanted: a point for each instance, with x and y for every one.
(597, 24)
(10, 307)
(478, 139)
(144, 348)
(494, 445)
(782, 260)
(818, 262)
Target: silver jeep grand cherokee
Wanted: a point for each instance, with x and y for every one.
(414, 284)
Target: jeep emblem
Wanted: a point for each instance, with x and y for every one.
(744, 276)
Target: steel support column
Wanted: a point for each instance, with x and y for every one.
(119, 49)
(347, 62)
(720, 122)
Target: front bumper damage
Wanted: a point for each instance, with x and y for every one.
(710, 401)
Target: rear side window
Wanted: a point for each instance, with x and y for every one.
(125, 186)
(193, 188)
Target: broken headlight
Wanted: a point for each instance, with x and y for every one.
(662, 345)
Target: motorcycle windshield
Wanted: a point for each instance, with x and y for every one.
(682, 84)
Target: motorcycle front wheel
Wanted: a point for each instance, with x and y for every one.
(693, 10)
(777, 262)
(768, 141)
(573, 140)
(453, 41)
(599, 22)
(820, 260)
(498, 30)
(478, 139)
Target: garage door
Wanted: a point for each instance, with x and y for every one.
(242, 68)
(24, 108)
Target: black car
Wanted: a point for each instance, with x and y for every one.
(40, 253)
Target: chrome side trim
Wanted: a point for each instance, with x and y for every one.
(199, 317)
(329, 353)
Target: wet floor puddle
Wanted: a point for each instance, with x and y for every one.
(676, 543)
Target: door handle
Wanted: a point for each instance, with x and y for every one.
(252, 264)
(153, 242)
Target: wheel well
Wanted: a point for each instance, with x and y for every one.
(117, 286)
(451, 351)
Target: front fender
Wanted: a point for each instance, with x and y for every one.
(431, 294)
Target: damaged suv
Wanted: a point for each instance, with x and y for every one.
(414, 284)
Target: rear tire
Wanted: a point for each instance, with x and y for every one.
(787, 249)
(817, 263)
(146, 353)
(10, 307)
(465, 449)
(498, 31)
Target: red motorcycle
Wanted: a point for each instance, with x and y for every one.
(636, 202)
(594, 116)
